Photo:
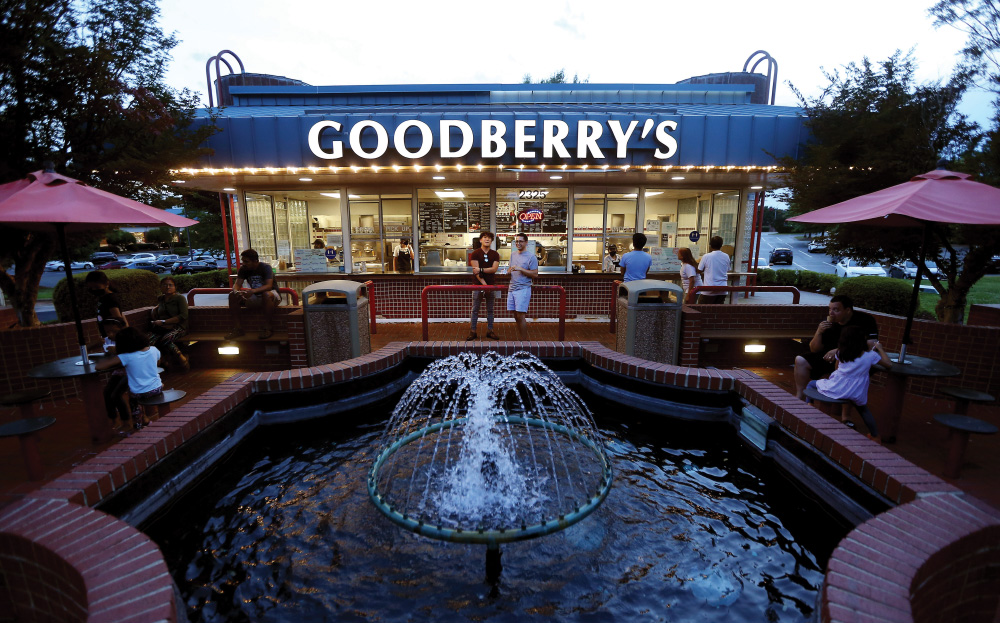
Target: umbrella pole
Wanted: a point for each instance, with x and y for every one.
(61, 232)
(914, 297)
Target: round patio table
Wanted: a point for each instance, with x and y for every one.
(896, 385)
(92, 392)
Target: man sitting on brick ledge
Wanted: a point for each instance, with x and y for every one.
(819, 362)
(263, 293)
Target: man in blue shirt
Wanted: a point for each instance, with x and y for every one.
(636, 263)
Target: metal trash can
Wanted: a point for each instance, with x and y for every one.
(336, 321)
(649, 320)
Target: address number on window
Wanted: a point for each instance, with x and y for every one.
(532, 194)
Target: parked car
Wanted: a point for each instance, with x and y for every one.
(193, 266)
(168, 259)
(780, 255)
(909, 269)
(103, 257)
(994, 265)
(58, 265)
(140, 257)
(853, 268)
(113, 264)
(816, 246)
(150, 266)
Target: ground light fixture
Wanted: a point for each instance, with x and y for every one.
(754, 347)
(229, 349)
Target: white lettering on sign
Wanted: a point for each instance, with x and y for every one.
(493, 142)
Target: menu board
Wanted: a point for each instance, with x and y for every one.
(444, 217)
(430, 217)
(454, 217)
(479, 215)
(554, 220)
(506, 216)
(664, 260)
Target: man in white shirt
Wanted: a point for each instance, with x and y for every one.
(715, 266)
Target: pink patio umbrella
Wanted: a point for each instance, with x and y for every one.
(938, 196)
(47, 201)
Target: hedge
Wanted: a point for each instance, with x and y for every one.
(211, 279)
(134, 288)
(889, 296)
(807, 280)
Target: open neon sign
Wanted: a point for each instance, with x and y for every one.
(530, 216)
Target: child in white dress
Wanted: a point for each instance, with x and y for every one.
(851, 378)
(139, 360)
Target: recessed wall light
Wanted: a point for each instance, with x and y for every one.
(305, 179)
(555, 177)
(229, 350)
(677, 177)
(229, 190)
(756, 187)
(438, 177)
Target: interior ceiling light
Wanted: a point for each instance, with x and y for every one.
(448, 194)
(555, 177)
(677, 177)
(438, 177)
(334, 195)
(653, 193)
(229, 189)
(756, 187)
(305, 179)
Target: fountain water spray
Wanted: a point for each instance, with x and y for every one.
(489, 449)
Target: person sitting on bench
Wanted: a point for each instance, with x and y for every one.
(263, 293)
(849, 381)
(819, 361)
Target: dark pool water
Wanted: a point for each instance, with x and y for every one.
(694, 527)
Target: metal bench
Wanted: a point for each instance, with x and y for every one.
(24, 398)
(963, 396)
(26, 431)
(161, 402)
(959, 429)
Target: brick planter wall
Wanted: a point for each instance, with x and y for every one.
(895, 567)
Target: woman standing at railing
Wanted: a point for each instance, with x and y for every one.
(690, 279)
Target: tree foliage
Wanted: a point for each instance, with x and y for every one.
(980, 21)
(873, 127)
(81, 85)
(558, 77)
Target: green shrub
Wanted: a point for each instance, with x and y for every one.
(180, 250)
(767, 277)
(134, 289)
(817, 282)
(212, 279)
(889, 296)
(787, 278)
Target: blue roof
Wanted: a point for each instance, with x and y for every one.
(716, 125)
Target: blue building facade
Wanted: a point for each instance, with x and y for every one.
(356, 170)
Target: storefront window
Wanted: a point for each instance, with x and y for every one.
(260, 226)
(366, 249)
(602, 219)
(541, 214)
(378, 224)
(724, 212)
(450, 221)
(294, 229)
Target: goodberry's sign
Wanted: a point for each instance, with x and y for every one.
(527, 139)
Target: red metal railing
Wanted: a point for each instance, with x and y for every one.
(425, 307)
(193, 291)
(371, 305)
(613, 308)
(750, 289)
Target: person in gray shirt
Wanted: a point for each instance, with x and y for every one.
(523, 268)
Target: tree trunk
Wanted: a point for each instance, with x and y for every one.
(951, 307)
(22, 288)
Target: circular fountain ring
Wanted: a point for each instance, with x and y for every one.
(497, 535)
(531, 421)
